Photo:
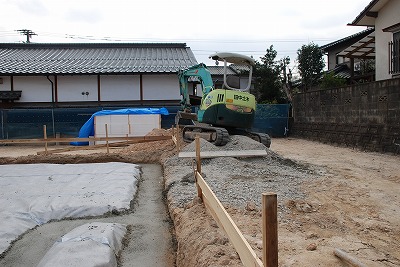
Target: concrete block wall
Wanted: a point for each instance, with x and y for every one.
(365, 115)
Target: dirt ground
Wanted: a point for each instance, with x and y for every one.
(354, 207)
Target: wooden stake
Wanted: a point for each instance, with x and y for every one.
(57, 137)
(221, 216)
(198, 167)
(108, 148)
(270, 229)
(178, 133)
(45, 138)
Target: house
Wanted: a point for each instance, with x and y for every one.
(363, 115)
(91, 74)
(340, 62)
(375, 49)
(383, 15)
(332, 50)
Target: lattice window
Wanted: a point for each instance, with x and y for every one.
(394, 54)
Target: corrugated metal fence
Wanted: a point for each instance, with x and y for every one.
(66, 122)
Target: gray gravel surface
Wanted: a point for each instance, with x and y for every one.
(238, 181)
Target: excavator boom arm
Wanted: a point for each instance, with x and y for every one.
(203, 74)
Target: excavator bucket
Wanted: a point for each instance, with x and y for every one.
(185, 118)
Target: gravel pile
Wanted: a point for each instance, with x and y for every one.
(237, 181)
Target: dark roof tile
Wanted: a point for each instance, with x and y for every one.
(92, 58)
(352, 38)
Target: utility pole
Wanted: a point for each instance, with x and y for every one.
(28, 34)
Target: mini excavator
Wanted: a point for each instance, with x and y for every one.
(220, 112)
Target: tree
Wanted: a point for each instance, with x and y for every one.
(311, 64)
(286, 77)
(268, 83)
(330, 81)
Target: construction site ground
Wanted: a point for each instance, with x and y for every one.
(349, 199)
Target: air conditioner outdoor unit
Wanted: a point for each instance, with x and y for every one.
(357, 66)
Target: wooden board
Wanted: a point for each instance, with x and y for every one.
(225, 153)
(246, 253)
(115, 144)
(77, 139)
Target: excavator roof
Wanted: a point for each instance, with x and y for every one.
(233, 58)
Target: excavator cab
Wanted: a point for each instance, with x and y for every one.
(238, 59)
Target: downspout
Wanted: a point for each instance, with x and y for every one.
(141, 88)
(52, 90)
(52, 104)
(2, 124)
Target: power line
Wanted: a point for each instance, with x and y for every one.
(29, 34)
(119, 39)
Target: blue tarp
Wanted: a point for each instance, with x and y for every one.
(88, 128)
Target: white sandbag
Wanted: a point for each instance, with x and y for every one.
(33, 194)
(90, 245)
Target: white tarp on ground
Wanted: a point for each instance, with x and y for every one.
(33, 194)
(89, 245)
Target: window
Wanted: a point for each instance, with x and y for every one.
(340, 60)
(394, 54)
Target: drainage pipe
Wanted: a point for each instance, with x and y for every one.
(52, 105)
(347, 258)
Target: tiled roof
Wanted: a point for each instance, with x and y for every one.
(219, 70)
(240, 68)
(341, 71)
(232, 69)
(93, 58)
(355, 37)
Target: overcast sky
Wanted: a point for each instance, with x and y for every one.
(248, 26)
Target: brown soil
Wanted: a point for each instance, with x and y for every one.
(149, 152)
(354, 207)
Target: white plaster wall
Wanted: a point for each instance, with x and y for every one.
(244, 82)
(160, 87)
(113, 87)
(34, 88)
(388, 16)
(6, 85)
(199, 91)
(70, 88)
(119, 87)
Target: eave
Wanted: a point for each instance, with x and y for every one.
(369, 14)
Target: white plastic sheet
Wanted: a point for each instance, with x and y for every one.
(89, 245)
(34, 194)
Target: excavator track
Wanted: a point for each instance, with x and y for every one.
(263, 138)
(217, 136)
